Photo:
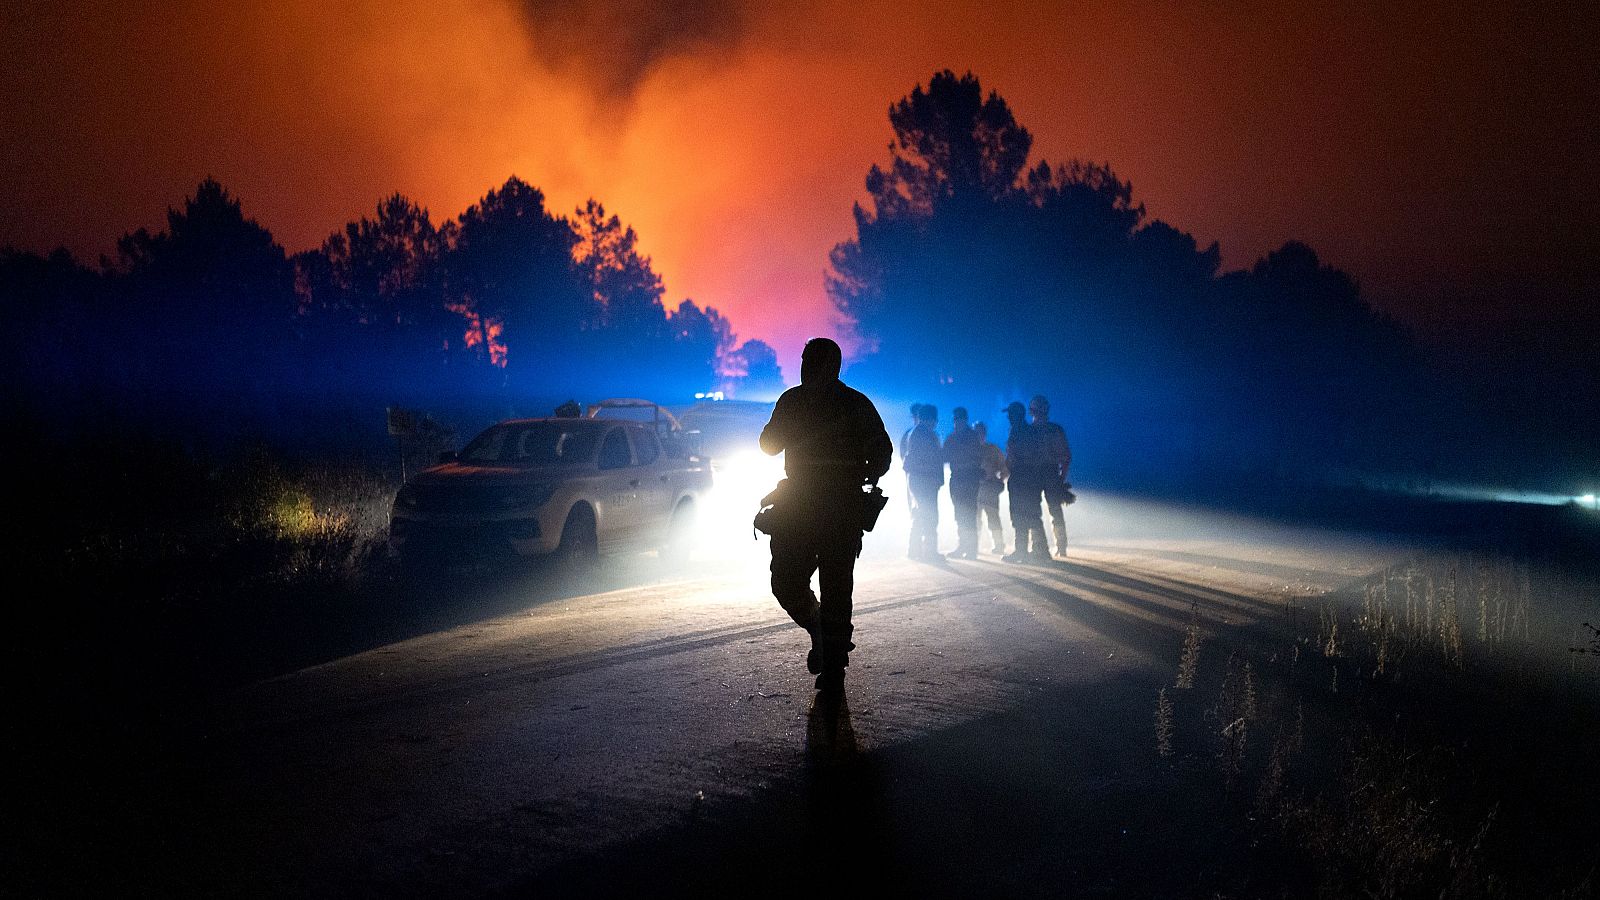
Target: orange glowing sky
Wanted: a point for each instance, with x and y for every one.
(1436, 152)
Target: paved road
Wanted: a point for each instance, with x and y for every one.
(994, 734)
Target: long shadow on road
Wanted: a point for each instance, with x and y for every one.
(394, 606)
(1145, 613)
(1064, 795)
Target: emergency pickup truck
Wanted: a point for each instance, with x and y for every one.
(617, 480)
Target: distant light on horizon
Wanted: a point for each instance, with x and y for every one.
(1480, 493)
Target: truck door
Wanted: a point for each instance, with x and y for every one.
(656, 487)
(618, 498)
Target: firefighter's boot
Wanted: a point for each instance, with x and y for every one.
(835, 647)
(814, 655)
(1039, 545)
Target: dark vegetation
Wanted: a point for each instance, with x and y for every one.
(980, 275)
(210, 334)
(1423, 733)
(168, 575)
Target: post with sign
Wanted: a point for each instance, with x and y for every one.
(402, 424)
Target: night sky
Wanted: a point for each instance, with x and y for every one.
(1443, 155)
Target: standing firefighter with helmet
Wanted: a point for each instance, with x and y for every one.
(922, 456)
(992, 480)
(1026, 458)
(964, 451)
(834, 444)
(1057, 457)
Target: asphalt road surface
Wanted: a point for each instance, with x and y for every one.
(655, 732)
(663, 737)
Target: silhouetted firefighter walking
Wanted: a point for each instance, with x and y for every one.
(834, 445)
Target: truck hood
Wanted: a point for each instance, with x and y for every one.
(465, 474)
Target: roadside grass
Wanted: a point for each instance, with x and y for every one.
(1429, 733)
(321, 524)
(151, 525)
(162, 571)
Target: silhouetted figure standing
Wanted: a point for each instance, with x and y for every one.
(833, 443)
(991, 481)
(1025, 459)
(1053, 469)
(923, 459)
(965, 455)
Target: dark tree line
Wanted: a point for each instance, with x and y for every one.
(209, 324)
(979, 276)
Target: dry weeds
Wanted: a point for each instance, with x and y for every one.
(1395, 799)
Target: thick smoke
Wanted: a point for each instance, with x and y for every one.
(614, 45)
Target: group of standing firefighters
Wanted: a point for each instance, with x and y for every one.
(1033, 468)
(835, 449)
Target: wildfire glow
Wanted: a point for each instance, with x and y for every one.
(736, 139)
(484, 334)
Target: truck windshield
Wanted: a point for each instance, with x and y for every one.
(534, 444)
